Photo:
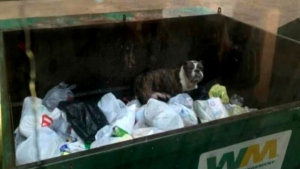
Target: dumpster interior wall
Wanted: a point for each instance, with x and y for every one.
(107, 57)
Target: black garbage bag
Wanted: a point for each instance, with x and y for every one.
(199, 94)
(86, 118)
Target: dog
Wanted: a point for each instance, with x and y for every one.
(165, 83)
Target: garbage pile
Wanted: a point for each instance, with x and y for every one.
(63, 125)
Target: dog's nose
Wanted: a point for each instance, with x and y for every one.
(197, 71)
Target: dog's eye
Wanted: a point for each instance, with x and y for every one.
(201, 68)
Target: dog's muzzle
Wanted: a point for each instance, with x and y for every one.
(197, 78)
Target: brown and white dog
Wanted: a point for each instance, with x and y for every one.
(165, 83)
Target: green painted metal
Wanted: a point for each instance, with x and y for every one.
(16, 24)
(189, 11)
(76, 20)
(6, 137)
(290, 30)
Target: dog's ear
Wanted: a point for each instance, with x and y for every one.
(202, 62)
(185, 63)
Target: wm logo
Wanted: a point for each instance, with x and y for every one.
(253, 152)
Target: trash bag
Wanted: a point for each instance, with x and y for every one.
(19, 138)
(187, 115)
(142, 132)
(133, 105)
(199, 94)
(233, 109)
(57, 94)
(111, 107)
(125, 121)
(219, 91)
(72, 147)
(237, 100)
(139, 115)
(209, 110)
(105, 136)
(85, 118)
(30, 120)
(160, 115)
(60, 124)
(106, 131)
(183, 99)
(47, 143)
(117, 112)
(110, 131)
(183, 105)
(110, 140)
(119, 132)
(140, 119)
(139, 125)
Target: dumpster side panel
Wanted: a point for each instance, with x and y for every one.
(286, 79)
(7, 158)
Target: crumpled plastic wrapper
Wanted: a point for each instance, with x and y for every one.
(237, 100)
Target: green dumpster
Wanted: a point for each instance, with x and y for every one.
(103, 56)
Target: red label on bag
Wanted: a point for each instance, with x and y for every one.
(46, 120)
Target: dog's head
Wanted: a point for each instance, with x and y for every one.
(193, 71)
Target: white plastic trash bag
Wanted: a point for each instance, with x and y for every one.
(125, 121)
(76, 146)
(30, 120)
(209, 110)
(140, 119)
(111, 107)
(110, 140)
(187, 115)
(117, 113)
(140, 124)
(48, 143)
(183, 99)
(139, 115)
(60, 124)
(160, 115)
(142, 132)
(106, 131)
(104, 137)
(19, 138)
(133, 105)
(73, 147)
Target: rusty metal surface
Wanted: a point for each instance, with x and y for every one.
(254, 12)
(77, 20)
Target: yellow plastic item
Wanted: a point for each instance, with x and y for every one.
(219, 91)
